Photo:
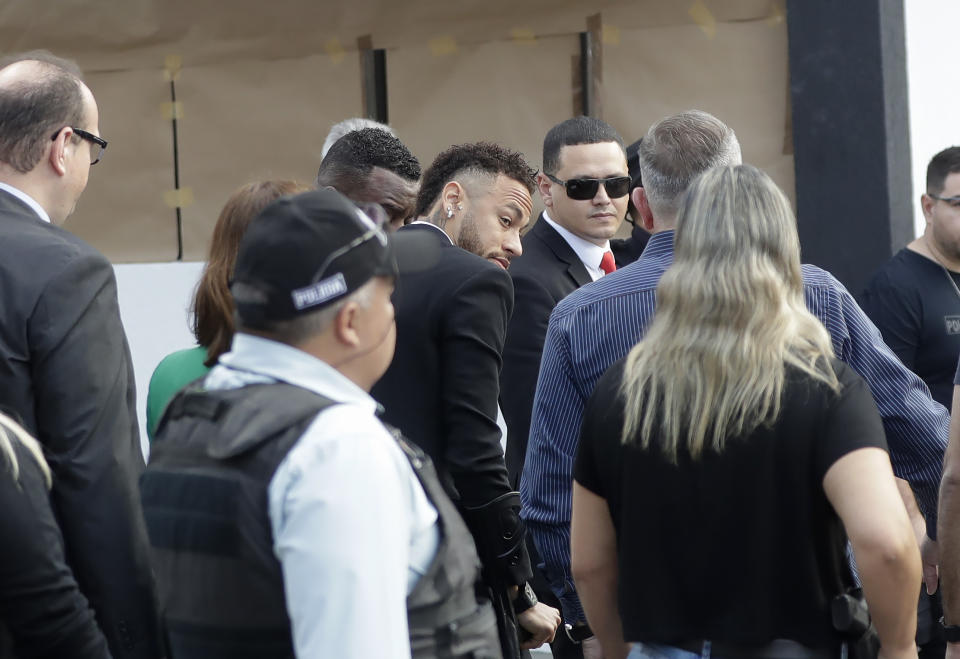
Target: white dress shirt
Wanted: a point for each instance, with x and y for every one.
(352, 527)
(589, 253)
(27, 199)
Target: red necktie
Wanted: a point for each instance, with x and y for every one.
(607, 264)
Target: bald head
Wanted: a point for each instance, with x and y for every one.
(39, 94)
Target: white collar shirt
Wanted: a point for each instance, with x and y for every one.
(352, 527)
(27, 199)
(589, 253)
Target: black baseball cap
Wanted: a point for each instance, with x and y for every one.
(304, 252)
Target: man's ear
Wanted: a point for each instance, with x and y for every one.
(926, 204)
(543, 185)
(345, 325)
(60, 149)
(639, 198)
(451, 198)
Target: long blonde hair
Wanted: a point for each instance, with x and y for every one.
(730, 316)
(10, 431)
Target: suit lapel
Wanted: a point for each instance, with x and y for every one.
(562, 250)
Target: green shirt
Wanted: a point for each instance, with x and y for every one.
(174, 372)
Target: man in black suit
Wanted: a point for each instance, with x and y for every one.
(65, 365)
(453, 301)
(569, 246)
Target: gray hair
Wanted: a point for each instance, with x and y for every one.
(340, 129)
(676, 150)
(10, 432)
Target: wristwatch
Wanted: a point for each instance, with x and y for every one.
(951, 633)
(578, 633)
(526, 599)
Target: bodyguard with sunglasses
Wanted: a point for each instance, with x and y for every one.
(66, 368)
(584, 186)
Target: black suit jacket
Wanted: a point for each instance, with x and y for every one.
(65, 370)
(546, 272)
(441, 388)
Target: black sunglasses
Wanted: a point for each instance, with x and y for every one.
(583, 189)
(95, 154)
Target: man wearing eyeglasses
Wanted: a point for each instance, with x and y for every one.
(914, 300)
(65, 367)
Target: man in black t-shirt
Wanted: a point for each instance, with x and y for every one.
(914, 299)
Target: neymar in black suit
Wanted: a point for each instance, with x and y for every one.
(453, 302)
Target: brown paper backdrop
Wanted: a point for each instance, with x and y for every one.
(261, 82)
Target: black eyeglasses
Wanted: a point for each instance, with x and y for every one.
(953, 201)
(95, 154)
(583, 189)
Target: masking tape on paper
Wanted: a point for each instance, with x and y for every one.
(171, 67)
(172, 110)
(441, 46)
(179, 198)
(523, 36)
(775, 17)
(334, 49)
(703, 17)
(610, 35)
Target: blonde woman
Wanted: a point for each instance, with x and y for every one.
(42, 613)
(726, 460)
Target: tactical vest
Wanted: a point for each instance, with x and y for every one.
(204, 498)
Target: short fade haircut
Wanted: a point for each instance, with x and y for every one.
(677, 149)
(941, 166)
(476, 159)
(341, 128)
(353, 156)
(33, 110)
(579, 130)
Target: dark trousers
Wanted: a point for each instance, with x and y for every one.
(929, 632)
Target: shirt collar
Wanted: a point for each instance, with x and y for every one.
(431, 224)
(589, 253)
(660, 244)
(257, 356)
(27, 199)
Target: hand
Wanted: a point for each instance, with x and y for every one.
(541, 622)
(591, 648)
(930, 558)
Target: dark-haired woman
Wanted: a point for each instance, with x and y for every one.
(212, 304)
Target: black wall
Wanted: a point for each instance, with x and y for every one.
(848, 88)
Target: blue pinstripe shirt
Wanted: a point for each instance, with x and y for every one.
(599, 323)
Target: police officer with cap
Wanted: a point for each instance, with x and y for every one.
(285, 519)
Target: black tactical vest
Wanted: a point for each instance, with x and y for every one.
(221, 586)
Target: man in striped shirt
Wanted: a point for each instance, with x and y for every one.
(598, 324)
